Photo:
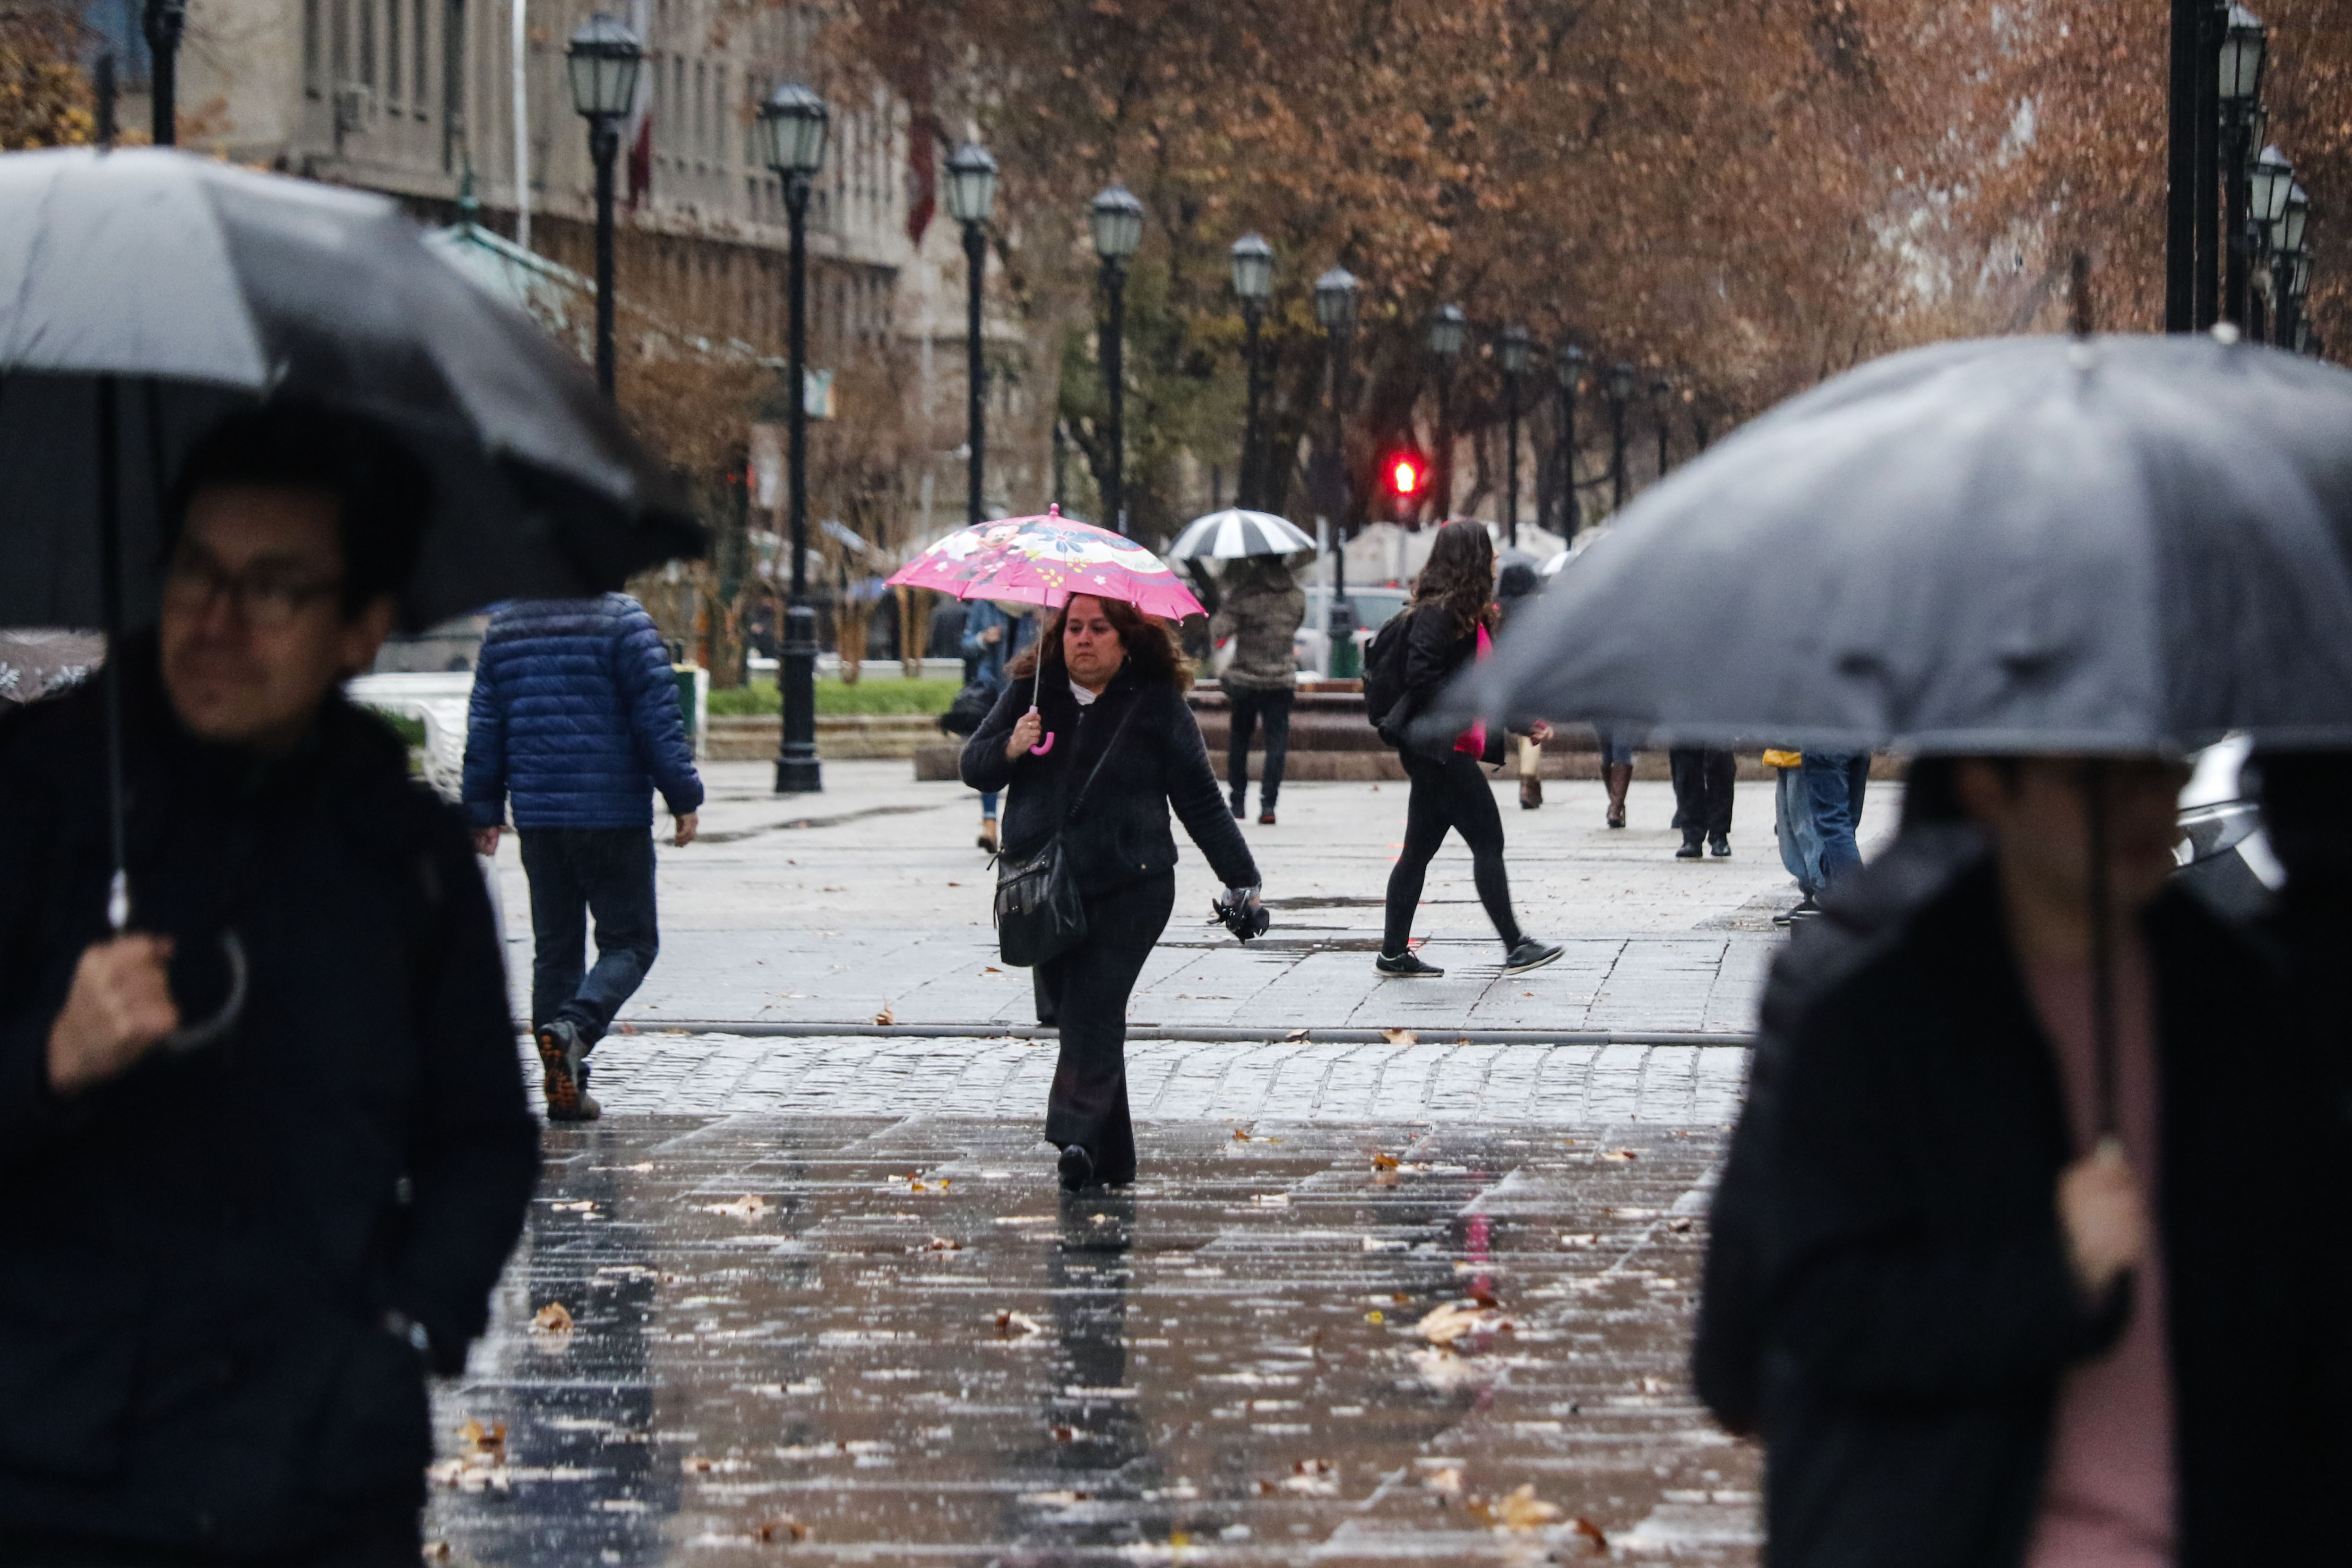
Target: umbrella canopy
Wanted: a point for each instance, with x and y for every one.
(2033, 544)
(179, 289)
(1230, 534)
(1046, 561)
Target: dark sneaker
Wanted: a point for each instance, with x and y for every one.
(1529, 954)
(1409, 966)
(1691, 851)
(1241, 812)
(565, 1056)
(1804, 910)
(1719, 845)
(1265, 819)
(1078, 1169)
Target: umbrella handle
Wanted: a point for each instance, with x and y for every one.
(190, 1036)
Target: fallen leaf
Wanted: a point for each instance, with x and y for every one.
(1065, 1435)
(1446, 1478)
(1241, 1135)
(1295, 1035)
(584, 1206)
(699, 1465)
(944, 1244)
(784, 1528)
(1009, 1323)
(1591, 1531)
(1311, 1477)
(1524, 1510)
(1680, 1224)
(1401, 1036)
(992, 969)
(1451, 1320)
(1384, 1161)
(1588, 1239)
(554, 1318)
(955, 884)
(436, 1551)
(886, 1016)
(750, 1205)
(490, 1439)
(1619, 1154)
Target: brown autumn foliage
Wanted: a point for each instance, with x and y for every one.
(45, 100)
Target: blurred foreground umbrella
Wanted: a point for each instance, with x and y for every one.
(145, 295)
(2108, 545)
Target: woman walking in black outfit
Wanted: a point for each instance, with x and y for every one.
(1109, 686)
(1453, 612)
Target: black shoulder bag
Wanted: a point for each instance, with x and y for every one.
(1039, 915)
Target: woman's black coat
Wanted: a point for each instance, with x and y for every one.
(1887, 1297)
(1433, 653)
(1120, 835)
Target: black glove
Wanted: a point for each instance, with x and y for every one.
(1239, 912)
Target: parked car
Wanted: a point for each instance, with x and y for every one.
(1375, 607)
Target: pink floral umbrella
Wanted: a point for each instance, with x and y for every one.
(1047, 561)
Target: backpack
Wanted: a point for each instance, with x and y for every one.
(1384, 670)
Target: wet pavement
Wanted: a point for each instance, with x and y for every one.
(763, 1337)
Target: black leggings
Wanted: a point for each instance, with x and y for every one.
(1247, 707)
(1453, 794)
(1088, 988)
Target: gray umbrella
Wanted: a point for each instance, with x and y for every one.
(181, 289)
(2028, 544)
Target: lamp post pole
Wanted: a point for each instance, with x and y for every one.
(972, 201)
(1569, 366)
(1620, 392)
(603, 59)
(1335, 311)
(1448, 329)
(1662, 397)
(163, 22)
(1515, 348)
(1252, 266)
(1118, 222)
(2238, 74)
(795, 121)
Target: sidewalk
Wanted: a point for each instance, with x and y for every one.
(870, 899)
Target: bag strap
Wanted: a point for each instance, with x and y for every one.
(1071, 813)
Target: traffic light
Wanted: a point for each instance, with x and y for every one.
(1405, 477)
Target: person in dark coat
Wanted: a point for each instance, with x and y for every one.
(1703, 779)
(1516, 585)
(1452, 611)
(228, 1266)
(1975, 1327)
(1260, 610)
(992, 640)
(575, 719)
(1124, 751)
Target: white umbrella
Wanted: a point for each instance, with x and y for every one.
(1231, 533)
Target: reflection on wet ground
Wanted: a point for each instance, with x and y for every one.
(749, 1340)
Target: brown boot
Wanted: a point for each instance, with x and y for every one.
(988, 834)
(1530, 791)
(1619, 777)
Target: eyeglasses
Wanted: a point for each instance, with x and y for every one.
(266, 600)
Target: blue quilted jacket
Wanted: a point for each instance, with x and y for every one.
(576, 714)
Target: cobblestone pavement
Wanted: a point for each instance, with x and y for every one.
(870, 897)
(759, 1339)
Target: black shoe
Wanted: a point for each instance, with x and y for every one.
(1691, 851)
(564, 1057)
(1409, 966)
(1265, 817)
(1241, 812)
(1805, 909)
(1719, 845)
(1529, 954)
(1077, 1167)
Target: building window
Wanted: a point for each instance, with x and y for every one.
(311, 60)
(701, 115)
(367, 43)
(392, 52)
(424, 47)
(453, 81)
(339, 56)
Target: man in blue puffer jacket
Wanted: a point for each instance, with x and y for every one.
(575, 716)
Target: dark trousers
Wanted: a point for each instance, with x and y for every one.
(1088, 988)
(392, 1539)
(576, 872)
(1453, 794)
(1703, 782)
(1248, 706)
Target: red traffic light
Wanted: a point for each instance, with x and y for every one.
(1406, 475)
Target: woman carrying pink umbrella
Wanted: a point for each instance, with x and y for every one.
(1094, 746)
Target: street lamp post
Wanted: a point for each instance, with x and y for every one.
(1448, 329)
(1335, 311)
(2244, 43)
(1620, 392)
(792, 125)
(1568, 365)
(1662, 400)
(971, 202)
(163, 22)
(603, 58)
(2292, 262)
(1253, 261)
(1117, 219)
(1515, 348)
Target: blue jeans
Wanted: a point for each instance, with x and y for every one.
(1837, 782)
(1801, 837)
(576, 872)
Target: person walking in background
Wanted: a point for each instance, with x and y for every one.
(232, 1261)
(575, 719)
(1616, 769)
(1447, 626)
(1835, 782)
(1109, 686)
(1260, 611)
(1793, 825)
(1703, 787)
(1517, 583)
(991, 639)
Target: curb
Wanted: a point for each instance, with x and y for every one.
(1204, 1034)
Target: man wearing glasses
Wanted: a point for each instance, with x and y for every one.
(233, 1253)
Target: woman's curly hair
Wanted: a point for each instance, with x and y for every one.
(1460, 576)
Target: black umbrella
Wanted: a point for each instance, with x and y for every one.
(145, 295)
(2099, 545)
(2028, 544)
